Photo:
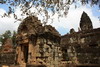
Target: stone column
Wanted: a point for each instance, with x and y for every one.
(20, 58)
(32, 53)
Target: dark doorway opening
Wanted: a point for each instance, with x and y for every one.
(25, 53)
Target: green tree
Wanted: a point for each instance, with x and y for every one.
(1, 39)
(5, 36)
(14, 38)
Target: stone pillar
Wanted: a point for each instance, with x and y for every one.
(32, 53)
(20, 55)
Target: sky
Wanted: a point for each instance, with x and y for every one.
(63, 25)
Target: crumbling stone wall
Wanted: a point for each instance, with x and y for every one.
(40, 45)
(37, 44)
(7, 58)
(83, 47)
(7, 53)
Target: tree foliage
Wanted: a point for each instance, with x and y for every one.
(14, 38)
(7, 35)
(60, 7)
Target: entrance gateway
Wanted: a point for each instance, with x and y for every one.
(24, 49)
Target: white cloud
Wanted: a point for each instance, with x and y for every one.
(2, 11)
(72, 20)
(7, 23)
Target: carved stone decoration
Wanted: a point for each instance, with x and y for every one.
(85, 22)
(7, 54)
(30, 25)
(72, 30)
(37, 44)
(8, 46)
(82, 47)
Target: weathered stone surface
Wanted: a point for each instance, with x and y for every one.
(83, 47)
(35, 65)
(42, 46)
(85, 23)
(7, 54)
(72, 30)
(8, 46)
(7, 58)
(31, 25)
(37, 44)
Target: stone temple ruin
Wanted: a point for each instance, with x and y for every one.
(43, 46)
(83, 47)
(37, 45)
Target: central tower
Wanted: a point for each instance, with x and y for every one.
(85, 22)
